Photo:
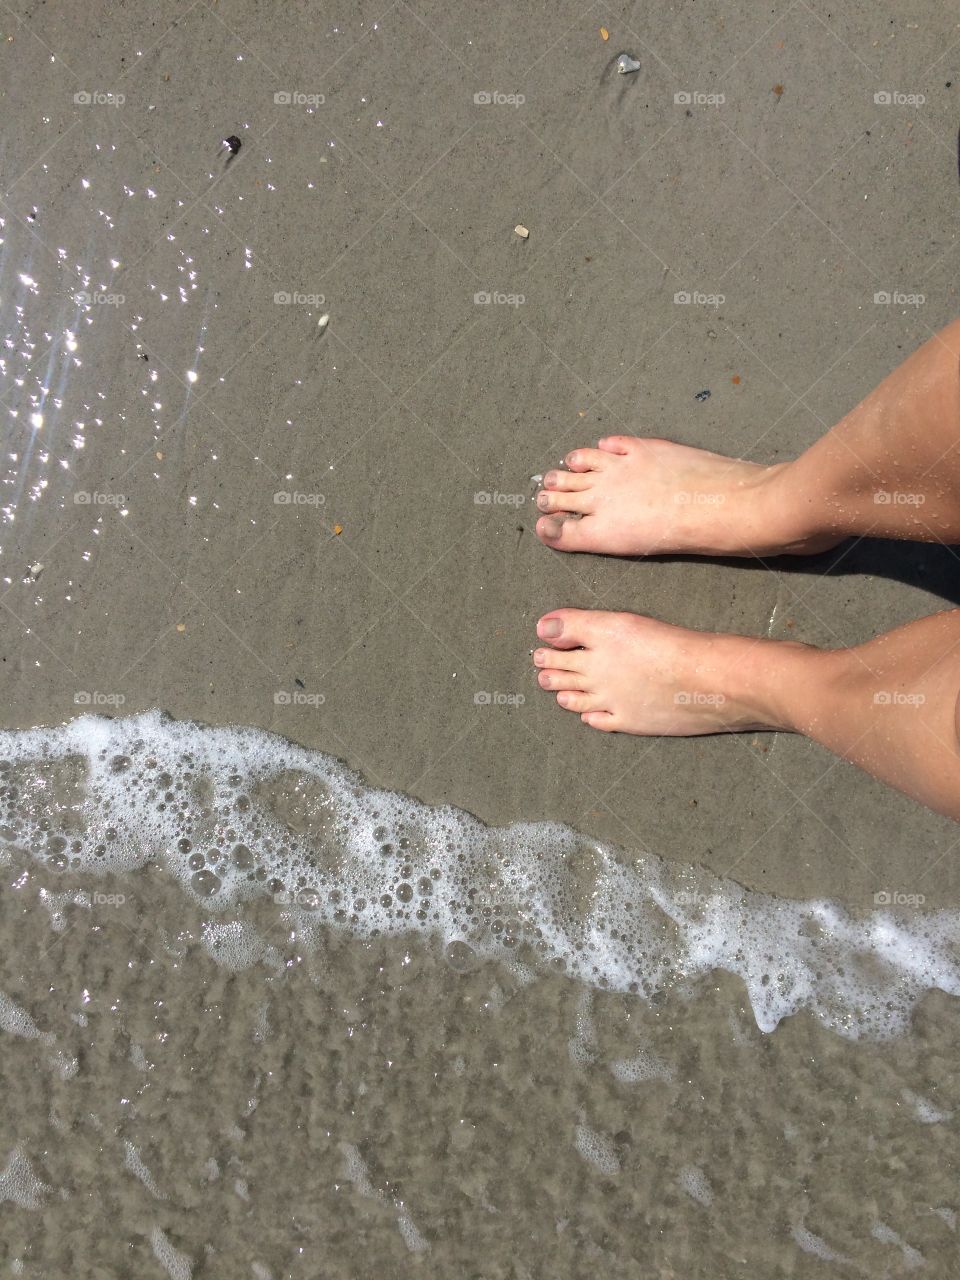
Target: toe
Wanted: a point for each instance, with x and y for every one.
(556, 680)
(566, 481)
(578, 700)
(606, 721)
(554, 500)
(617, 444)
(587, 460)
(565, 628)
(559, 659)
(567, 533)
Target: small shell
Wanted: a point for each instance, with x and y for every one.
(323, 322)
(626, 64)
(521, 231)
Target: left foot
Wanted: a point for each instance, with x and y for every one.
(630, 674)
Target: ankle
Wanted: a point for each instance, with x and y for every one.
(794, 509)
(784, 685)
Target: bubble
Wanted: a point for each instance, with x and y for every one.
(241, 856)
(460, 956)
(206, 883)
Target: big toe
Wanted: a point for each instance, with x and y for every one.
(566, 628)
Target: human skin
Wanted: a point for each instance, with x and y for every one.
(890, 468)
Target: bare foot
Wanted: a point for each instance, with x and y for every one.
(633, 497)
(629, 674)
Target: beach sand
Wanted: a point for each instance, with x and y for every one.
(392, 1113)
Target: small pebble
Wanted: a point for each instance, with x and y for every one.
(323, 322)
(626, 64)
(34, 571)
(234, 143)
(702, 395)
(521, 231)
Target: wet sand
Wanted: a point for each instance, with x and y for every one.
(150, 427)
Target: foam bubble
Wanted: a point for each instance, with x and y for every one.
(19, 1184)
(694, 1182)
(816, 1245)
(176, 1264)
(234, 814)
(597, 1149)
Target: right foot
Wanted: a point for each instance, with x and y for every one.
(642, 497)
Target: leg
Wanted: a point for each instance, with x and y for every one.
(890, 468)
(892, 706)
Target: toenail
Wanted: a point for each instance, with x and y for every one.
(552, 527)
(543, 501)
(550, 628)
(550, 479)
(539, 657)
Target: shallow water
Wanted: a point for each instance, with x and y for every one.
(261, 1018)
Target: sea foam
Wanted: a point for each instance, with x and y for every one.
(233, 813)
